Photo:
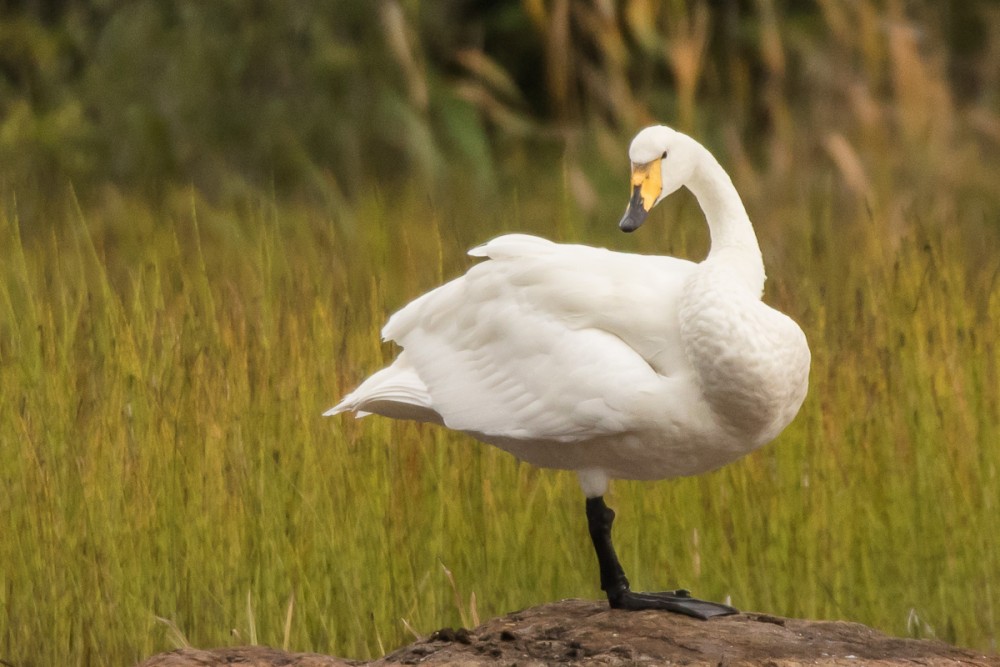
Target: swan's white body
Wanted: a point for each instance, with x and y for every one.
(614, 365)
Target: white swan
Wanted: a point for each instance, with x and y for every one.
(613, 365)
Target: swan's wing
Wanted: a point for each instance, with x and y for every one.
(519, 375)
(544, 341)
(634, 297)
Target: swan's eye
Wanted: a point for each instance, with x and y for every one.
(664, 156)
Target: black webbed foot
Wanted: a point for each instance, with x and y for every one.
(615, 584)
(679, 602)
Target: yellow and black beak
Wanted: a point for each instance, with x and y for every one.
(647, 182)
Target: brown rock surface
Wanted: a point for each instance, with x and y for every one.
(588, 633)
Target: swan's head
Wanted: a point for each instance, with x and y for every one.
(662, 161)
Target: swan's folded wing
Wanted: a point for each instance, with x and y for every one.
(518, 375)
(535, 343)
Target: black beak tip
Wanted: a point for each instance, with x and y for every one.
(632, 221)
(635, 214)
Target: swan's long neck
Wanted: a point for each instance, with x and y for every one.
(734, 243)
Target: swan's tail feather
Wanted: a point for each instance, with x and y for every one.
(396, 391)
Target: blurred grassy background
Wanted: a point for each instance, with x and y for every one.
(207, 210)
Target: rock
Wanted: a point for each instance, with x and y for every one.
(589, 633)
(243, 656)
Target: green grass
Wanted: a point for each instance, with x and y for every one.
(166, 477)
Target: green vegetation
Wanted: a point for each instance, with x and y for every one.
(182, 295)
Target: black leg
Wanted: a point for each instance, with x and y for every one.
(599, 520)
(615, 584)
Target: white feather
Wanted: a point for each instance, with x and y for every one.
(615, 365)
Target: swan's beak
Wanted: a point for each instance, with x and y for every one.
(647, 182)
